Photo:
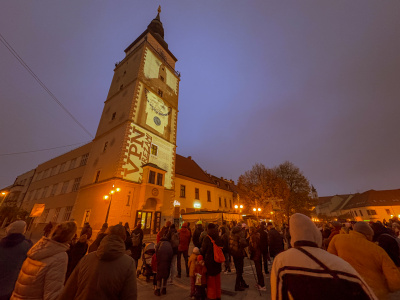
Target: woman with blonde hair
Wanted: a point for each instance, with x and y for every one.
(42, 274)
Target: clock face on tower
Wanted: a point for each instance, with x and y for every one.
(157, 112)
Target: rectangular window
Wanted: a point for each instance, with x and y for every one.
(113, 116)
(160, 93)
(72, 164)
(159, 179)
(44, 192)
(208, 196)
(154, 149)
(53, 190)
(96, 179)
(388, 211)
(220, 202)
(373, 212)
(105, 146)
(152, 177)
(355, 213)
(128, 203)
(64, 187)
(162, 78)
(44, 216)
(77, 181)
(62, 167)
(86, 216)
(196, 194)
(84, 159)
(67, 213)
(183, 191)
(361, 214)
(368, 212)
(55, 216)
(225, 202)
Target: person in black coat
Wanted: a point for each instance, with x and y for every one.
(213, 267)
(136, 250)
(385, 238)
(237, 245)
(275, 239)
(75, 253)
(264, 245)
(225, 239)
(196, 234)
(164, 255)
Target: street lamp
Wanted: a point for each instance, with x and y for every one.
(109, 196)
(257, 210)
(239, 206)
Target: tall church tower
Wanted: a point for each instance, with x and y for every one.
(135, 143)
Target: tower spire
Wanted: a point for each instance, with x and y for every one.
(156, 26)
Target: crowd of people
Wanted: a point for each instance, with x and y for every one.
(356, 260)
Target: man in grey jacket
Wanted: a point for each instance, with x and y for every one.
(107, 273)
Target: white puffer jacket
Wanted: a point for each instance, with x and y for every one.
(42, 274)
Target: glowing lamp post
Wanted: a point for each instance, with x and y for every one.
(109, 196)
(238, 206)
(257, 210)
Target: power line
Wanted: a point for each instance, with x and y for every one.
(21, 61)
(15, 153)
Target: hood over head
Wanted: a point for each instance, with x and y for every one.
(16, 227)
(303, 229)
(46, 247)
(111, 247)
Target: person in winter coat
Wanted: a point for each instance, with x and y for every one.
(164, 254)
(75, 253)
(237, 246)
(213, 267)
(201, 280)
(173, 238)
(192, 264)
(256, 256)
(335, 229)
(370, 260)
(307, 272)
(275, 240)
(86, 230)
(108, 273)
(13, 250)
(225, 239)
(164, 231)
(196, 234)
(137, 243)
(387, 241)
(47, 229)
(184, 241)
(264, 246)
(42, 274)
(100, 235)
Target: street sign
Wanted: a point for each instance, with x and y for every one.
(37, 210)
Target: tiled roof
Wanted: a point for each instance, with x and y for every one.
(186, 166)
(374, 198)
(224, 184)
(323, 200)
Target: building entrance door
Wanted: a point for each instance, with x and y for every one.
(146, 217)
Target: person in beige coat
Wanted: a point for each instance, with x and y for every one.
(371, 261)
(42, 274)
(107, 273)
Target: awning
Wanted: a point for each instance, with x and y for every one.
(210, 216)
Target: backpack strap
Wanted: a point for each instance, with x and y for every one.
(320, 263)
(212, 241)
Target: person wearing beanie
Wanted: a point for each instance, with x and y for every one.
(184, 241)
(370, 260)
(13, 250)
(107, 273)
(43, 272)
(200, 272)
(192, 264)
(306, 271)
(213, 267)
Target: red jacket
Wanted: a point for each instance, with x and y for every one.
(184, 239)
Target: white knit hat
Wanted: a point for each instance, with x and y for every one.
(16, 227)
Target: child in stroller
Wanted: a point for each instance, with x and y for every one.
(148, 251)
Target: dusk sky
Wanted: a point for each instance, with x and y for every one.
(315, 82)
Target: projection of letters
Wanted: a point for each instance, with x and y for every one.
(157, 112)
(138, 154)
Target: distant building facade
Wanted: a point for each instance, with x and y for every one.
(134, 151)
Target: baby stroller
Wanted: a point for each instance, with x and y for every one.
(148, 251)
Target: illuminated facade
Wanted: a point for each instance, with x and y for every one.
(133, 150)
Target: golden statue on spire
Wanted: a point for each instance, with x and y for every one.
(159, 9)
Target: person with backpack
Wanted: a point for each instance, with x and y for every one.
(306, 271)
(137, 243)
(237, 244)
(173, 238)
(183, 247)
(210, 254)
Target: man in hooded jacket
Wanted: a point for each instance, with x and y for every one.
(308, 272)
(107, 273)
(196, 234)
